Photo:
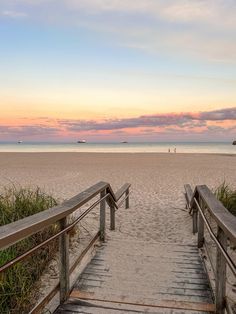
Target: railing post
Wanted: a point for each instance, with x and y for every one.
(220, 273)
(64, 262)
(112, 217)
(200, 225)
(102, 216)
(195, 217)
(127, 198)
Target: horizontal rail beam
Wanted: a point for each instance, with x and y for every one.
(54, 237)
(121, 191)
(224, 219)
(18, 230)
(229, 261)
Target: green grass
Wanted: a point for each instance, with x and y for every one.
(16, 284)
(227, 196)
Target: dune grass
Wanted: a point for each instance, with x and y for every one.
(227, 196)
(16, 283)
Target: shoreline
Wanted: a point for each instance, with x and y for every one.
(123, 153)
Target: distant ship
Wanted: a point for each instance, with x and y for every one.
(124, 142)
(19, 142)
(81, 141)
(234, 143)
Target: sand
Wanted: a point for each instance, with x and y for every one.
(157, 205)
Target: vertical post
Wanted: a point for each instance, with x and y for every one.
(64, 262)
(102, 216)
(127, 198)
(200, 225)
(112, 216)
(220, 273)
(195, 216)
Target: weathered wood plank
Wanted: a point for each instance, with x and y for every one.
(124, 271)
(224, 219)
(102, 216)
(200, 239)
(163, 304)
(127, 198)
(112, 217)
(220, 273)
(98, 307)
(16, 231)
(189, 193)
(121, 191)
(64, 262)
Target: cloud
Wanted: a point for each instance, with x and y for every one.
(207, 11)
(14, 14)
(219, 115)
(203, 29)
(187, 120)
(27, 130)
(208, 123)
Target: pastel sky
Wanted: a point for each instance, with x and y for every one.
(111, 70)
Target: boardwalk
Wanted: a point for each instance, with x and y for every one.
(141, 277)
(126, 275)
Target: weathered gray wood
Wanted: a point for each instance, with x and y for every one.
(220, 273)
(195, 220)
(16, 231)
(121, 191)
(117, 271)
(200, 226)
(127, 198)
(112, 217)
(64, 262)
(224, 219)
(104, 306)
(188, 194)
(102, 216)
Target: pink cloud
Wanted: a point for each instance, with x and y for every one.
(210, 123)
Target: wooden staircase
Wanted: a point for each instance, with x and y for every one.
(141, 277)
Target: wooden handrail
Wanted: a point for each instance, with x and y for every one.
(21, 229)
(202, 198)
(121, 191)
(224, 219)
(18, 230)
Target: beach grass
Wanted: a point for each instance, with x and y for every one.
(227, 196)
(16, 283)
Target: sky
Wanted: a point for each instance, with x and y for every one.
(113, 70)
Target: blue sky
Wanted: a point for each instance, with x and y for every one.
(100, 60)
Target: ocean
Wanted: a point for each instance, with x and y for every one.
(162, 147)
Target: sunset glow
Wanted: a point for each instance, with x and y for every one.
(142, 70)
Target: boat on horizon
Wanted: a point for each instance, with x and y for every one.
(20, 142)
(81, 141)
(124, 142)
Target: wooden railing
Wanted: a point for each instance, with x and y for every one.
(203, 204)
(21, 229)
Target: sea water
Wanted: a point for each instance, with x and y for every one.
(161, 147)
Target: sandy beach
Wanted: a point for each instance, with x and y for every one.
(157, 203)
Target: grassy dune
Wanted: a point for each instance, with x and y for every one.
(16, 283)
(227, 196)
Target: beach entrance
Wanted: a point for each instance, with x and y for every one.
(116, 274)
